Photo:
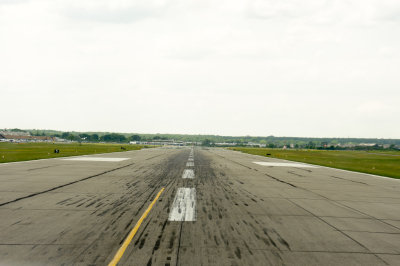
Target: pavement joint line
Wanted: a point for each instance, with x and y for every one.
(339, 203)
(64, 185)
(36, 244)
(129, 238)
(306, 251)
(337, 229)
(77, 192)
(46, 209)
(300, 251)
(369, 232)
(331, 200)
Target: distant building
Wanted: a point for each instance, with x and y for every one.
(24, 138)
(253, 144)
(347, 145)
(15, 133)
(161, 142)
(226, 144)
(366, 144)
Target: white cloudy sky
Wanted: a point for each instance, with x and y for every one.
(284, 68)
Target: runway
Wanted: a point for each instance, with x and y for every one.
(215, 207)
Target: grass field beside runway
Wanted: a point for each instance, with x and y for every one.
(373, 162)
(14, 152)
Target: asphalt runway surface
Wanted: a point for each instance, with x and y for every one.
(215, 207)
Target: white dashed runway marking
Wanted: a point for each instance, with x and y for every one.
(189, 164)
(184, 205)
(188, 173)
(285, 164)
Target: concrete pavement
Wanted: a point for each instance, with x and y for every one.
(226, 209)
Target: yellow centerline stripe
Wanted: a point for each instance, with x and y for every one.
(129, 238)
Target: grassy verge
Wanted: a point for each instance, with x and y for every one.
(377, 163)
(14, 152)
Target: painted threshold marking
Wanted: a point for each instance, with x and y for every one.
(184, 205)
(188, 173)
(129, 238)
(286, 164)
(95, 159)
(190, 164)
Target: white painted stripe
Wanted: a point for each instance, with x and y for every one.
(352, 172)
(285, 164)
(188, 173)
(189, 164)
(322, 166)
(96, 159)
(62, 157)
(184, 205)
(190, 160)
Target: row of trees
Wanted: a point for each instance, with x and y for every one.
(112, 137)
(311, 145)
(210, 140)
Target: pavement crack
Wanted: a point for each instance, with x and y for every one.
(32, 169)
(179, 244)
(64, 185)
(341, 231)
(348, 180)
(279, 180)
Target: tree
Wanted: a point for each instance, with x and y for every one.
(135, 138)
(206, 142)
(65, 135)
(72, 137)
(310, 145)
(271, 145)
(17, 130)
(114, 137)
(94, 137)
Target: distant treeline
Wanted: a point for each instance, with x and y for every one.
(211, 140)
(112, 137)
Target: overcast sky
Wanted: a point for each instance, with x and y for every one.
(286, 68)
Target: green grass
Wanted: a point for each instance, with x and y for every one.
(377, 163)
(14, 152)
